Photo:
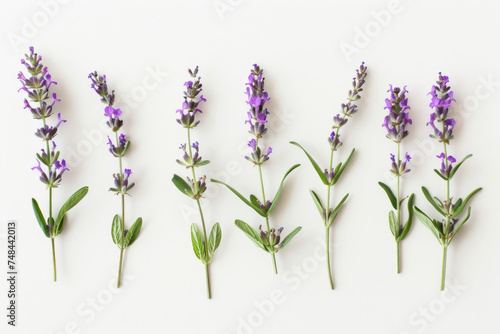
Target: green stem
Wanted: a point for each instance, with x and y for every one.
(447, 227)
(327, 241)
(443, 269)
(397, 257)
(327, 221)
(54, 259)
(267, 218)
(123, 239)
(207, 272)
(398, 206)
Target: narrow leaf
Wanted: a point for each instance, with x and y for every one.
(428, 223)
(314, 163)
(59, 228)
(390, 194)
(39, 217)
(254, 200)
(341, 170)
(431, 200)
(240, 196)
(202, 163)
(251, 233)
(133, 233)
(278, 193)
(407, 226)
(317, 201)
(335, 211)
(289, 237)
(457, 166)
(393, 224)
(116, 231)
(455, 230)
(214, 238)
(462, 205)
(441, 175)
(197, 241)
(182, 185)
(70, 203)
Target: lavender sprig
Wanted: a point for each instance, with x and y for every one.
(37, 86)
(204, 248)
(395, 123)
(445, 230)
(269, 239)
(121, 236)
(331, 175)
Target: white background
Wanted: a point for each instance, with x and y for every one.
(299, 45)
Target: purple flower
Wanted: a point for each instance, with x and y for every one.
(446, 164)
(191, 102)
(256, 98)
(399, 167)
(441, 98)
(397, 119)
(109, 111)
(334, 141)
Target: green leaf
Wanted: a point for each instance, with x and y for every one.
(116, 231)
(251, 233)
(431, 200)
(254, 200)
(287, 239)
(202, 163)
(390, 194)
(457, 166)
(40, 218)
(428, 223)
(393, 224)
(335, 211)
(459, 208)
(317, 201)
(315, 165)
(182, 185)
(70, 203)
(240, 196)
(214, 238)
(278, 193)
(198, 243)
(341, 170)
(133, 233)
(455, 230)
(59, 228)
(407, 226)
(441, 175)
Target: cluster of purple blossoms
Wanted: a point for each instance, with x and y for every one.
(257, 115)
(446, 167)
(398, 118)
(37, 87)
(191, 102)
(441, 100)
(114, 122)
(399, 168)
(348, 109)
(188, 111)
(395, 123)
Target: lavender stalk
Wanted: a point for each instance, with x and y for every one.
(395, 123)
(269, 239)
(121, 236)
(445, 230)
(37, 87)
(330, 176)
(204, 248)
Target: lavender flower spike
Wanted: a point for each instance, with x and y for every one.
(122, 237)
(445, 228)
(395, 123)
(204, 247)
(258, 122)
(37, 87)
(329, 176)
